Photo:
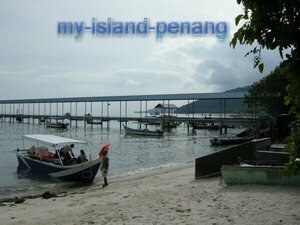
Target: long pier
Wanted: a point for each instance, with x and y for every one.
(55, 108)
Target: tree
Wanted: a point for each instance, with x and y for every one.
(269, 93)
(272, 24)
(269, 24)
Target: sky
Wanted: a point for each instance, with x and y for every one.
(36, 62)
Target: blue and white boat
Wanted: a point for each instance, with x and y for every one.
(47, 160)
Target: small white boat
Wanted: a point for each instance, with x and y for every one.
(95, 122)
(57, 125)
(41, 160)
(144, 132)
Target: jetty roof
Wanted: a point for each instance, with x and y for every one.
(160, 97)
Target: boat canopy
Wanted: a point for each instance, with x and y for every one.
(51, 139)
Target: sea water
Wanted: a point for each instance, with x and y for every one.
(128, 154)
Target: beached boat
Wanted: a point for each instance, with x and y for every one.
(230, 140)
(144, 132)
(57, 125)
(40, 159)
(264, 174)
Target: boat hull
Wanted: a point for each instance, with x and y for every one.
(206, 127)
(57, 125)
(94, 122)
(79, 172)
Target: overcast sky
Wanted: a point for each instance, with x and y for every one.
(35, 62)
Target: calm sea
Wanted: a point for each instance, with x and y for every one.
(128, 154)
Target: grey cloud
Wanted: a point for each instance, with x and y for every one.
(35, 62)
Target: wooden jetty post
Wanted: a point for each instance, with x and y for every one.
(70, 117)
(126, 112)
(140, 125)
(102, 114)
(107, 114)
(188, 123)
(14, 113)
(84, 115)
(76, 113)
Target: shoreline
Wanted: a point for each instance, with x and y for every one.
(162, 197)
(74, 186)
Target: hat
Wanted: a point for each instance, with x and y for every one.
(104, 149)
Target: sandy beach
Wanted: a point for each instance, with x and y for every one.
(166, 197)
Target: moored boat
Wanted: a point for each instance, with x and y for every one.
(230, 140)
(206, 126)
(19, 118)
(42, 120)
(57, 125)
(95, 122)
(41, 160)
(144, 132)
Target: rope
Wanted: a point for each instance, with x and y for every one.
(209, 175)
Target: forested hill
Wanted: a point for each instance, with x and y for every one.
(239, 89)
(213, 106)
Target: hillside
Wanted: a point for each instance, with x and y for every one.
(213, 106)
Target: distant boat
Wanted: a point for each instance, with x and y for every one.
(171, 124)
(144, 132)
(42, 120)
(56, 118)
(153, 123)
(205, 126)
(89, 120)
(57, 125)
(154, 113)
(230, 140)
(19, 118)
(96, 122)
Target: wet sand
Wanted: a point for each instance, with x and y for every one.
(166, 197)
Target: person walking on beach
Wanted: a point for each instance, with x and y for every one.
(104, 164)
(104, 167)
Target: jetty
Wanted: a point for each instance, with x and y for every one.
(31, 110)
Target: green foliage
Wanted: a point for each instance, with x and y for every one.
(293, 89)
(269, 23)
(293, 147)
(269, 92)
(275, 24)
(261, 67)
